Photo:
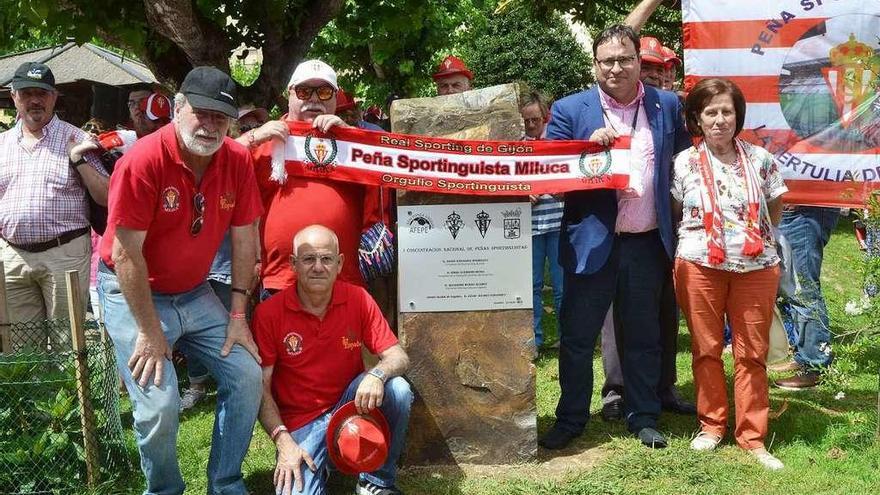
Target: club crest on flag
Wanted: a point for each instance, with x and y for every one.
(320, 154)
(828, 82)
(852, 77)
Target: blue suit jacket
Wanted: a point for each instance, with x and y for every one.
(590, 216)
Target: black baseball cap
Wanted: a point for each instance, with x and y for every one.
(33, 75)
(209, 88)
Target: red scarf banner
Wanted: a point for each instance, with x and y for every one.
(451, 166)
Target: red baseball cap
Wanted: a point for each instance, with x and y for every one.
(669, 56)
(357, 443)
(650, 50)
(156, 107)
(452, 65)
(344, 101)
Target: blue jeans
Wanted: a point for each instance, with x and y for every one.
(196, 322)
(808, 230)
(312, 437)
(195, 370)
(545, 246)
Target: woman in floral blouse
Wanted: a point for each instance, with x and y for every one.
(727, 193)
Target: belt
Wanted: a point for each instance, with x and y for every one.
(45, 246)
(637, 234)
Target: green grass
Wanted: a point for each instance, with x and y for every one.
(827, 444)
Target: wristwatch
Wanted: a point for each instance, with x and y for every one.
(378, 374)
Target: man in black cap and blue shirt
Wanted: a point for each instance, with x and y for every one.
(44, 213)
(172, 198)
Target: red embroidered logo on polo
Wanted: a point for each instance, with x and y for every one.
(350, 341)
(293, 342)
(227, 201)
(170, 199)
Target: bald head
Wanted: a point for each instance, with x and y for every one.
(316, 261)
(315, 235)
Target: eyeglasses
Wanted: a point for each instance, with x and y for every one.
(198, 214)
(533, 121)
(324, 92)
(312, 259)
(625, 62)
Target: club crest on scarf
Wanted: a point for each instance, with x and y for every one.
(320, 153)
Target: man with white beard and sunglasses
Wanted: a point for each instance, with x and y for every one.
(172, 198)
(293, 202)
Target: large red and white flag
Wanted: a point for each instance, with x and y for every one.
(809, 70)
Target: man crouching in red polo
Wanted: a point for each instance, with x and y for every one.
(310, 337)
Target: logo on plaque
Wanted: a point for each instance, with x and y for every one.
(320, 153)
(512, 225)
(419, 223)
(483, 222)
(454, 224)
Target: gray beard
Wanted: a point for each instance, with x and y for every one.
(195, 147)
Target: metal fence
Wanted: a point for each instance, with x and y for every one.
(60, 430)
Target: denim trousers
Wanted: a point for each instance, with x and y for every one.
(808, 229)
(195, 370)
(311, 438)
(545, 247)
(196, 322)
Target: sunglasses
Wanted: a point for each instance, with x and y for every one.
(199, 214)
(324, 92)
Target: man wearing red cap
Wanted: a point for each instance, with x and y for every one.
(452, 76)
(293, 202)
(310, 338)
(653, 63)
(148, 110)
(672, 63)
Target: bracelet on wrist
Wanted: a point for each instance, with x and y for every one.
(81, 161)
(277, 430)
(244, 292)
(237, 315)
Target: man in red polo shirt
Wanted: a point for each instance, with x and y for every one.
(310, 338)
(172, 198)
(452, 76)
(293, 202)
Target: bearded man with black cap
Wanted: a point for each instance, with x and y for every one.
(44, 215)
(172, 198)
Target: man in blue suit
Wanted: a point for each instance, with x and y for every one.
(616, 245)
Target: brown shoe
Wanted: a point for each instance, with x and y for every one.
(784, 367)
(799, 381)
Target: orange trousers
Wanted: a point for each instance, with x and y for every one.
(705, 295)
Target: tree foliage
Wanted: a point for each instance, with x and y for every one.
(172, 36)
(664, 24)
(517, 45)
(391, 46)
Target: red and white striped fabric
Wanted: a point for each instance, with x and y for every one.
(809, 70)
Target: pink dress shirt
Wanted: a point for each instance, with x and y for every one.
(636, 211)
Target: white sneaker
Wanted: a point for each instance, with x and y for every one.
(190, 398)
(705, 441)
(767, 459)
